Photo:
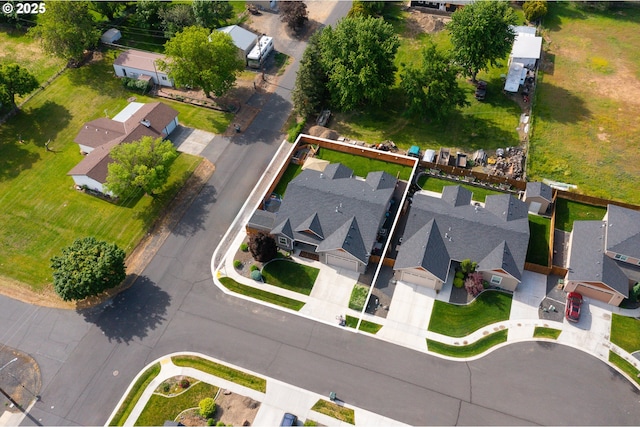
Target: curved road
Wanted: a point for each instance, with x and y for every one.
(87, 359)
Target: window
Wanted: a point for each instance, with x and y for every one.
(283, 241)
(164, 78)
(621, 257)
(496, 280)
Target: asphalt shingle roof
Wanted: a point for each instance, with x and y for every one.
(623, 231)
(342, 211)
(539, 189)
(588, 261)
(473, 232)
(425, 249)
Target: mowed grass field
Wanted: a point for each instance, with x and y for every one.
(586, 127)
(40, 212)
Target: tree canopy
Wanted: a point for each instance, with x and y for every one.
(211, 13)
(15, 80)
(262, 247)
(534, 9)
(202, 59)
(357, 57)
(175, 18)
(67, 29)
(140, 165)
(432, 88)
(86, 268)
(310, 90)
(294, 14)
(481, 35)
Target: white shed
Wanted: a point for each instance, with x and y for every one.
(515, 77)
(112, 35)
(526, 49)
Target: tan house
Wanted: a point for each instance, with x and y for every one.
(139, 64)
(604, 256)
(442, 230)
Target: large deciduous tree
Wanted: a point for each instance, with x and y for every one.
(176, 17)
(310, 91)
(147, 13)
(294, 14)
(432, 88)
(211, 13)
(15, 80)
(202, 59)
(67, 29)
(140, 165)
(481, 35)
(86, 268)
(357, 56)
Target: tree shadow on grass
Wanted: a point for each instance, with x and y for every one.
(561, 12)
(98, 75)
(557, 104)
(43, 123)
(131, 314)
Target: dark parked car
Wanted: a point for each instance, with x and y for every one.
(289, 420)
(481, 90)
(574, 302)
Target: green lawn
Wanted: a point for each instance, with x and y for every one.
(538, 250)
(365, 325)
(626, 367)
(478, 347)
(542, 332)
(358, 297)
(625, 332)
(430, 183)
(39, 209)
(290, 275)
(568, 211)
(162, 408)
(261, 295)
(292, 171)
(336, 411)
(223, 371)
(132, 398)
(586, 106)
(361, 166)
(461, 320)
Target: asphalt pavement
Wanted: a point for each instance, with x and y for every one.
(88, 359)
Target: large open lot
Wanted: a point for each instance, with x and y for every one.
(587, 106)
(40, 212)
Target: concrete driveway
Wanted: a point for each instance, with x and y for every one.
(191, 141)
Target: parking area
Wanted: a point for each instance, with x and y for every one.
(191, 141)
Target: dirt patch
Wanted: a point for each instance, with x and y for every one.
(622, 85)
(231, 409)
(419, 22)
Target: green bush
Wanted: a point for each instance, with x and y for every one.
(136, 85)
(358, 297)
(220, 423)
(467, 266)
(166, 387)
(254, 267)
(237, 264)
(458, 282)
(485, 284)
(207, 407)
(295, 130)
(211, 422)
(459, 275)
(244, 247)
(256, 275)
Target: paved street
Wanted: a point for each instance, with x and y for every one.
(88, 359)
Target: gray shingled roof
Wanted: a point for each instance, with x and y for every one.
(456, 195)
(539, 189)
(623, 231)
(587, 260)
(425, 249)
(262, 219)
(346, 211)
(474, 232)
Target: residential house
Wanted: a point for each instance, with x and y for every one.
(538, 196)
(331, 215)
(98, 137)
(243, 39)
(604, 256)
(138, 64)
(441, 230)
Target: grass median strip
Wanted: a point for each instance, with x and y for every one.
(542, 332)
(625, 332)
(336, 411)
(626, 367)
(474, 349)
(132, 398)
(461, 320)
(261, 295)
(161, 408)
(365, 325)
(222, 371)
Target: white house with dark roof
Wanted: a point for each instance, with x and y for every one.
(538, 196)
(98, 137)
(332, 214)
(138, 64)
(604, 256)
(440, 230)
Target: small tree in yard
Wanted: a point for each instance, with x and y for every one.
(15, 80)
(86, 268)
(294, 14)
(534, 9)
(207, 407)
(467, 266)
(263, 247)
(473, 283)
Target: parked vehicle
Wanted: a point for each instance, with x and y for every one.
(289, 420)
(481, 90)
(574, 303)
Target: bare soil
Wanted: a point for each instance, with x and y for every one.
(421, 22)
(231, 408)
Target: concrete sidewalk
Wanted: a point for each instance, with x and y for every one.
(278, 399)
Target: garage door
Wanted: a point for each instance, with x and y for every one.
(342, 262)
(597, 294)
(417, 279)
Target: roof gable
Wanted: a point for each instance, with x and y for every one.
(501, 258)
(623, 231)
(336, 171)
(348, 238)
(283, 228)
(456, 195)
(312, 225)
(539, 189)
(378, 180)
(506, 207)
(425, 249)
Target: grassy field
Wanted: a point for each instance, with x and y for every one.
(261, 295)
(39, 209)
(161, 408)
(222, 371)
(538, 250)
(625, 332)
(132, 398)
(542, 332)
(361, 166)
(489, 124)
(430, 183)
(478, 347)
(290, 275)
(568, 211)
(461, 320)
(588, 102)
